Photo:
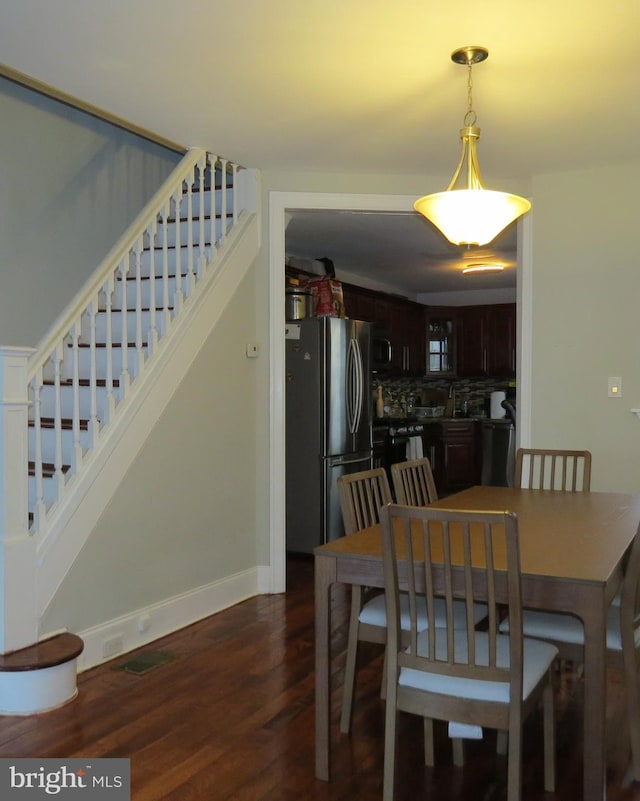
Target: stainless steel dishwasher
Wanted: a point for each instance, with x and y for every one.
(498, 453)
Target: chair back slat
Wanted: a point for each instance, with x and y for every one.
(630, 598)
(552, 469)
(413, 482)
(361, 496)
(453, 555)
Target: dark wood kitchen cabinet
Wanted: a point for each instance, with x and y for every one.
(486, 340)
(402, 321)
(453, 448)
(407, 332)
(440, 342)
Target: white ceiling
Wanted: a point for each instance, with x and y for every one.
(401, 251)
(364, 86)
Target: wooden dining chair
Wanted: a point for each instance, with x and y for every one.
(362, 495)
(541, 468)
(413, 482)
(566, 633)
(472, 677)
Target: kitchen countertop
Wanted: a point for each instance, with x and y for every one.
(390, 421)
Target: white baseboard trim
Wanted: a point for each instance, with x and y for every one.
(145, 625)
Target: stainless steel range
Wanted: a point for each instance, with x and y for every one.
(392, 440)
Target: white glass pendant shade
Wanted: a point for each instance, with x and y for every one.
(471, 216)
(467, 213)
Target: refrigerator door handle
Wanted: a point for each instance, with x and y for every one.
(358, 460)
(355, 385)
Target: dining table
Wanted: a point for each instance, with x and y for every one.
(572, 553)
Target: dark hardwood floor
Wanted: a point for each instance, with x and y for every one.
(231, 716)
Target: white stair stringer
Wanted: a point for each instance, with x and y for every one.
(88, 492)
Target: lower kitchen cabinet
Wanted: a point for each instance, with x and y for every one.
(453, 448)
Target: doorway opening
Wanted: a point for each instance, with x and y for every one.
(280, 203)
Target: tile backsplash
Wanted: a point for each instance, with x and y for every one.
(475, 391)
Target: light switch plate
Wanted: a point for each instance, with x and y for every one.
(615, 387)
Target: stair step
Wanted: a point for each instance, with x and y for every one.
(82, 382)
(51, 439)
(184, 226)
(124, 293)
(82, 394)
(66, 423)
(48, 469)
(55, 651)
(117, 321)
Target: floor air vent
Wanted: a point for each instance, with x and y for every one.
(143, 663)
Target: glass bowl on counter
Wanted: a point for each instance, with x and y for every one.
(429, 411)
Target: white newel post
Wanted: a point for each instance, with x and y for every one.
(18, 612)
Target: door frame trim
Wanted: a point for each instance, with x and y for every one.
(279, 204)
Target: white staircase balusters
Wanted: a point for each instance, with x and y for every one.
(37, 502)
(58, 465)
(166, 308)
(87, 368)
(190, 263)
(125, 375)
(153, 327)
(75, 389)
(235, 199)
(94, 423)
(223, 196)
(138, 307)
(179, 293)
(202, 257)
(107, 293)
(211, 210)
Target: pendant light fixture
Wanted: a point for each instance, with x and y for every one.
(467, 213)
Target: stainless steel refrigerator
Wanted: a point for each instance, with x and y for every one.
(328, 422)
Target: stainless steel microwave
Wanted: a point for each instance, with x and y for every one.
(381, 352)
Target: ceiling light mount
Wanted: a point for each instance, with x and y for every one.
(467, 56)
(467, 213)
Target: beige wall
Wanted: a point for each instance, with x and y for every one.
(586, 288)
(184, 514)
(70, 184)
(194, 507)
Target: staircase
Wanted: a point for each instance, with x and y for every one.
(77, 393)
(79, 383)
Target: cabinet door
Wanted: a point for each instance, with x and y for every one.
(472, 341)
(459, 464)
(487, 340)
(359, 304)
(440, 343)
(416, 339)
(432, 444)
(406, 328)
(502, 340)
(460, 468)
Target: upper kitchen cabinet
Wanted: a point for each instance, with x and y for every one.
(407, 330)
(402, 321)
(486, 340)
(440, 342)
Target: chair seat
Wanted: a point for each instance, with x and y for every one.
(566, 628)
(537, 659)
(374, 613)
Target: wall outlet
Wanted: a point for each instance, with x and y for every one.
(112, 646)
